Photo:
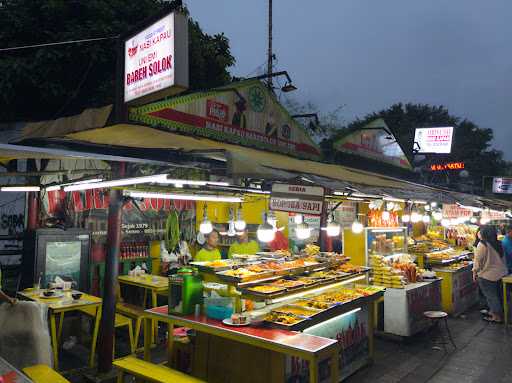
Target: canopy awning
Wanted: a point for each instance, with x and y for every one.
(248, 162)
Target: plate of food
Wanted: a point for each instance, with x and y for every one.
(237, 320)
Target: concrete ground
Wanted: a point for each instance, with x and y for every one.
(483, 354)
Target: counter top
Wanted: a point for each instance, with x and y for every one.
(265, 337)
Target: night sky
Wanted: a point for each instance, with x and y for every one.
(368, 54)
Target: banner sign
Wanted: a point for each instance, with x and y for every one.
(346, 213)
(433, 140)
(156, 59)
(493, 215)
(502, 185)
(297, 198)
(245, 113)
(456, 211)
(141, 220)
(374, 141)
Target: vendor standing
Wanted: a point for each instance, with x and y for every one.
(243, 245)
(210, 251)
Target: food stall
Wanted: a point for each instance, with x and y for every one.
(313, 293)
(409, 290)
(452, 264)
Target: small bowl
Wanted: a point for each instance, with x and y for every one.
(76, 296)
(48, 293)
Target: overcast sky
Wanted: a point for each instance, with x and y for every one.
(368, 54)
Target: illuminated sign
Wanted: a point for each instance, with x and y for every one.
(433, 140)
(447, 166)
(156, 60)
(502, 185)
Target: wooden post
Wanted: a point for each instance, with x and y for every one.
(108, 314)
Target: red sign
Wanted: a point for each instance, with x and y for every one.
(217, 111)
(447, 166)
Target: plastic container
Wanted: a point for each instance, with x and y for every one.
(219, 312)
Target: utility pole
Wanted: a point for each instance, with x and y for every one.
(269, 58)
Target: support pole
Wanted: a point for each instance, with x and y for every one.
(269, 53)
(32, 199)
(108, 312)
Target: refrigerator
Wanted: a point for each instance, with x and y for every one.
(48, 253)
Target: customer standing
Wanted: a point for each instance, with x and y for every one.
(488, 269)
(507, 248)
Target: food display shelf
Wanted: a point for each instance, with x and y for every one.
(326, 314)
(257, 296)
(456, 258)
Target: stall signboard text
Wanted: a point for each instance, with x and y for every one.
(154, 62)
(297, 198)
(374, 141)
(456, 211)
(502, 185)
(433, 140)
(244, 113)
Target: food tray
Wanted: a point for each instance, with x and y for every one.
(290, 308)
(292, 284)
(249, 278)
(249, 291)
(287, 326)
(203, 266)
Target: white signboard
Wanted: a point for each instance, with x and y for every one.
(493, 215)
(297, 198)
(346, 213)
(456, 211)
(434, 140)
(154, 59)
(502, 185)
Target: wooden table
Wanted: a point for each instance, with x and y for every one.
(11, 374)
(156, 284)
(58, 306)
(506, 281)
(308, 347)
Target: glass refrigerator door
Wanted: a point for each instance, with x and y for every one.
(63, 260)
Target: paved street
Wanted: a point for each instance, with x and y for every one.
(484, 354)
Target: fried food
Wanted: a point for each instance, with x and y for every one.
(313, 304)
(282, 318)
(265, 289)
(287, 283)
(291, 310)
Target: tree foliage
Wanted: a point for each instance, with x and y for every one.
(49, 82)
(472, 144)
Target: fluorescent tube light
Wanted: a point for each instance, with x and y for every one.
(20, 188)
(187, 197)
(336, 318)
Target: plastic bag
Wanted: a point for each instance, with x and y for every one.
(24, 336)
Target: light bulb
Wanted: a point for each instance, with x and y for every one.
(206, 226)
(473, 220)
(333, 229)
(231, 229)
(303, 231)
(437, 215)
(426, 218)
(415, 217)
(385, 215)
(240, 224)
(427, 207)
(406, 218)
(265, 232)
(357, 227)
(445, 222)
(433, 204)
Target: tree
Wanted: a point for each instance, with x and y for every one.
(50, 82)
(472, 144)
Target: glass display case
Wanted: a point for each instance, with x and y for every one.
(385, 241)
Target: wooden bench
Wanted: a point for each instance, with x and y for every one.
(150, 372)
(41, 373)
